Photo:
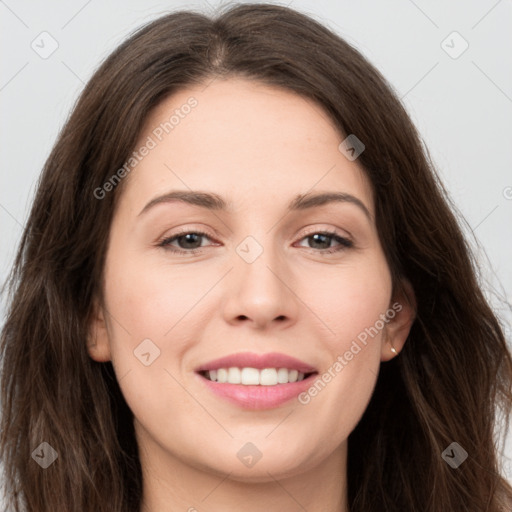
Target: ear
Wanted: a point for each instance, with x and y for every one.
(401, 315)
(98, 346)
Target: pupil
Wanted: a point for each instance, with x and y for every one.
(188, 241)
(315, 237)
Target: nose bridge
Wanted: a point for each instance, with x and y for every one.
(260, 287)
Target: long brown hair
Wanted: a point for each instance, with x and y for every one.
(448, 384)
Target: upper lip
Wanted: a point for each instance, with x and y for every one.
(259, 361)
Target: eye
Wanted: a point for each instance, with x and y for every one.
(324, 238)
(187, 241)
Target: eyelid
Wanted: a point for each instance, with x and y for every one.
(330, 230)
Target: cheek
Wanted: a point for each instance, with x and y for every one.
(153, 300)
(350, 301)
(144, 312)
(149, 333)
(352, 306)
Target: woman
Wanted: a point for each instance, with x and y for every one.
(257, 369)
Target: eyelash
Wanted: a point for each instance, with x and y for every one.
(345, 243)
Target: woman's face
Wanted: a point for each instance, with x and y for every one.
(262, 280)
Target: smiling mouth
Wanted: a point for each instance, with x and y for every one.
(248, 376)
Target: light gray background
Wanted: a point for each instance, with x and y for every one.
(462, 106)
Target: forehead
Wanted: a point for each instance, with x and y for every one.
(251, 143)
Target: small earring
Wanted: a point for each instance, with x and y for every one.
(393, 349)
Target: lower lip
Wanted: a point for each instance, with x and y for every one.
(258, 397)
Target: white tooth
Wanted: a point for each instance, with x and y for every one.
(253, 376)
(292, 375)
(234, 376)
(268, 377)
(222, 375)
(250, 376)
(282, 375)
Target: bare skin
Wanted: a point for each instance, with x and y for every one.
(258, 147)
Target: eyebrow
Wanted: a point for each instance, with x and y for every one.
(212, 201)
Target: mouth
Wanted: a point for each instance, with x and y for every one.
(248, 376)
(257, 389)
(256, 381)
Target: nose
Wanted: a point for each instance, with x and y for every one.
(261, 293)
